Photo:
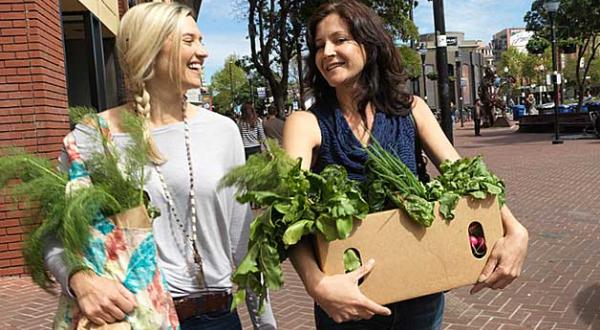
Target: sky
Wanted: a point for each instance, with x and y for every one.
(225, 30)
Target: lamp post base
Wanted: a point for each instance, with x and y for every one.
(557, 141)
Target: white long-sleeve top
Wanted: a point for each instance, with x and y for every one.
(223, 223)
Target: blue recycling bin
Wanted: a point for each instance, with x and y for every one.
(564, 109)
(518, 111)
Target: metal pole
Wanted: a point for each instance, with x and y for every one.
(557, 139)
(441, 56)
(459, 104)
(424, 78)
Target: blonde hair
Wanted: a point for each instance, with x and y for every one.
(143, 31)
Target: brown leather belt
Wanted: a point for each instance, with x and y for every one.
(202, 303)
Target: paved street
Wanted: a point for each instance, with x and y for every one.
(554, 190)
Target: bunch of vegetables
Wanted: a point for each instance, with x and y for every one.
(118, 182)
(296, 202)
(390, 183)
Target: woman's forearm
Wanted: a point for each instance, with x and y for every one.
(511, 225)
(305, 263)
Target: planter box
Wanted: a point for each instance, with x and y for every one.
(411, 260)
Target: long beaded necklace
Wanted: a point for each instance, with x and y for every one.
(191, 239)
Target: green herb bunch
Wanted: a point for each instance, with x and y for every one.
(391, 183)
(295, 203)
(41, 186)
(464, 177)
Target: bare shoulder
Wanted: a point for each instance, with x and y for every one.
(418, 105)
(302, 123)
(301, 136)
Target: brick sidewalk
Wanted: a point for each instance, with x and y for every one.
(552, 189)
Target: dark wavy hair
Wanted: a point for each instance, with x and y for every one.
(383, 78)
(249, 115)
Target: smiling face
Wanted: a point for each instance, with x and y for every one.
(339, 57)
(191, 56)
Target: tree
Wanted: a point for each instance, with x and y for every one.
(514, 60)
(412, 62)
(230, 86)
(276, 29)
(576, 21)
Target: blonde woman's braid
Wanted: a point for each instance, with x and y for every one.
(141, 103)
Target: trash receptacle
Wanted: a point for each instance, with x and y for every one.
(518, 111)
(564, 109)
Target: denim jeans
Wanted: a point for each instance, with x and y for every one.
(213, 321)
(423, 313)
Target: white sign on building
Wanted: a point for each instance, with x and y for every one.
(520, 39)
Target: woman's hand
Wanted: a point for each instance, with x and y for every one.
(101, 300)
(340, 297)
(507, 256)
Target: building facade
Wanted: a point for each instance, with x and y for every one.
(510, 37)
(465, 60)
(54, 54)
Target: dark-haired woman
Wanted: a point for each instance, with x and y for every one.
(358, 82)
(251, 128)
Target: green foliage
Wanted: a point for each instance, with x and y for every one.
(118, 180)
(231, 78)
(351, 260)
(296, 203)
(432, 75)
(464, 177)
(514, 60)
(391, 184)
(412, 62)
(576, 23)
(537, 45)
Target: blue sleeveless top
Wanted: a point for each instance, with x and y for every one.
(396, 134)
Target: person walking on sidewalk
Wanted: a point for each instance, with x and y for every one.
(477, 116)
(273, 126)
(357, 78)
(201, 232)
(251, 129)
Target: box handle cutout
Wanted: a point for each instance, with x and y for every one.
(476, 239)
(352, 261)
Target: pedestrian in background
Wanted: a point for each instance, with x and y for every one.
(202, 231)
(251, 129)
(357, 78)
(272, 125)
(477, 116)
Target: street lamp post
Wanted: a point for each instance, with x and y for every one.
(509, 92)
(459, 103)
(551, 7)
(423, 53)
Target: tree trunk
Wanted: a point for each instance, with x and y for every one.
(300, 73)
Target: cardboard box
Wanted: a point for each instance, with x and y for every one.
(411, 260)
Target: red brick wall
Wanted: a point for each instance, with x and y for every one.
(33, 100)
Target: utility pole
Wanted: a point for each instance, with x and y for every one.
(441, 56)
(414, 81)
(458, 75)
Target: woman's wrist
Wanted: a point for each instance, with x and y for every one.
(511, 225)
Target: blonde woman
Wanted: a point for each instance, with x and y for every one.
(201, 232)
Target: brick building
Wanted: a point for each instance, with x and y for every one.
(53, 54)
